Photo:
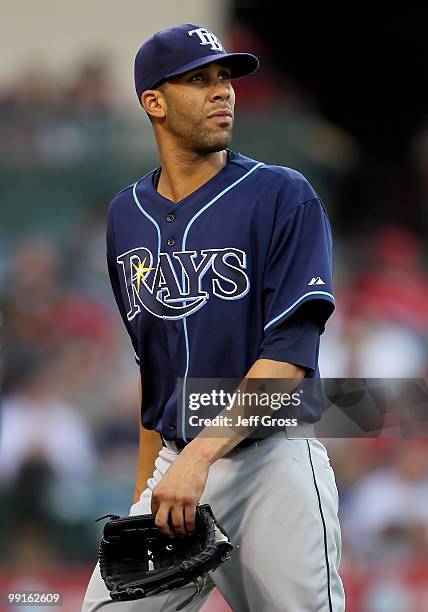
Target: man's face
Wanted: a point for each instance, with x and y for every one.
(199, 108)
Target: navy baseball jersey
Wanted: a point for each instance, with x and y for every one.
(202, 282)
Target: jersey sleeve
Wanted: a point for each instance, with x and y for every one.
(115, 285)
(299, 267)
(295, 340)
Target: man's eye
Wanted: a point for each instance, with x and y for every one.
(197, 77)
(225, 76)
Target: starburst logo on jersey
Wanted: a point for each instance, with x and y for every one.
(140, 272)
(173, 288)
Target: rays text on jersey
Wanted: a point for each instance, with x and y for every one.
(173, 288)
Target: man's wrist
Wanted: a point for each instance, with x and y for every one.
(209, 449)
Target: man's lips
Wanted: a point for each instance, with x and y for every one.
(222, 113)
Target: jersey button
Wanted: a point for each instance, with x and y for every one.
(170, 242)
(172, 426)
(170, 218)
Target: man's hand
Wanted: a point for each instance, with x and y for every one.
(176, 496)
(179, 492)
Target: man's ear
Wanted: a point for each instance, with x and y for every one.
(153, 103)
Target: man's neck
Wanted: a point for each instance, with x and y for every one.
(183, 173)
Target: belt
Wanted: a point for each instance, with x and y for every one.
(174, 445)
(178, 445)
(301, 431)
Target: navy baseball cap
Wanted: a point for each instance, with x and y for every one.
(176, 50)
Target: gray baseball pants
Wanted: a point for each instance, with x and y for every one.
(278, 502)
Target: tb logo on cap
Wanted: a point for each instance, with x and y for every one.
(207, 38)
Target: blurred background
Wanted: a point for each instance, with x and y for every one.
(343, 102)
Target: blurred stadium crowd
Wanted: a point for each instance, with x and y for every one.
(69, 417)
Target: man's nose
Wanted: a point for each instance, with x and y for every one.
(220, 91)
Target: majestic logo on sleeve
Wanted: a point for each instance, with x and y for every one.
(173, 288)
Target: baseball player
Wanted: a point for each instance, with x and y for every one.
(221, 267)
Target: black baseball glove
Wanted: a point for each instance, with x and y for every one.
(137, 560)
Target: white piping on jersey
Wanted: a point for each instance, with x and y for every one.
(186, 337)
(217, 197)
(295, 303)
(183, 409)
(146, 214)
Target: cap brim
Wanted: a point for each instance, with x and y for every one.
(240, 64)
